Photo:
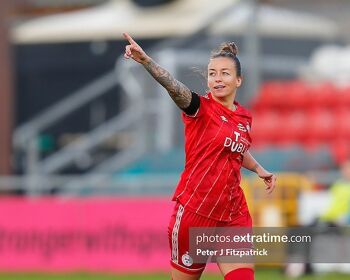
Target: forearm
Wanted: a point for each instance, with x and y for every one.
(250, 163)
(177, 91)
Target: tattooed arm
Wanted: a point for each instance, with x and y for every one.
(251, 164)
(178, 92)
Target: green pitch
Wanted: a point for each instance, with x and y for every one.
(265, 274)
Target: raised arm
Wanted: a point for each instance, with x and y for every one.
(178, 91)
(250, 163)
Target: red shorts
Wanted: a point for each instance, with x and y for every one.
(178, 234)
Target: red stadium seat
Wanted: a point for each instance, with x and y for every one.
(292, 126)
(342, 124)
(322, 96)
(270, 96)
(342, 98)
(296, 95)
(320, 125)
(265, 128)
(341, 150)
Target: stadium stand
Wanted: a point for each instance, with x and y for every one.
(314, 116)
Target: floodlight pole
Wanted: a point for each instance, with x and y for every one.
(6, 90)
(252, 53)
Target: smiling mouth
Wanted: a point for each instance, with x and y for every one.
(219, 87)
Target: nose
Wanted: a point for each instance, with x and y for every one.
(218, 78)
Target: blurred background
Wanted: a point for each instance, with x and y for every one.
(91, 148)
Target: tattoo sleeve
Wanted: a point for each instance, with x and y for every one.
(177, 90)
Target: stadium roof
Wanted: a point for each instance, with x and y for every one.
(178, 18)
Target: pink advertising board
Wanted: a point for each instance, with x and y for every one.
(90, 234)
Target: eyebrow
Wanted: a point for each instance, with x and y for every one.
(211, 69)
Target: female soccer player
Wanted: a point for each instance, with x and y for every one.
(217, 139)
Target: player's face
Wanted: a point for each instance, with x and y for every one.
(222, 77)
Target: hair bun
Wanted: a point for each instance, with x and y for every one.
(230, 47)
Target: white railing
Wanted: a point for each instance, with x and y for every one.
(91, 184)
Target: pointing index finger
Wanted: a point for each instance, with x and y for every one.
(128, 37)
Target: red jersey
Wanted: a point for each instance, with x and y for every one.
(215, 141)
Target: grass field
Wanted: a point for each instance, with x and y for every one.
(265, 274)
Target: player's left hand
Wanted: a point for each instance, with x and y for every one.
(269, 181)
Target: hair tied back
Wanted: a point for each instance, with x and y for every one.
(230, 47)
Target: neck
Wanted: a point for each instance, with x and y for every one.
(226, 101)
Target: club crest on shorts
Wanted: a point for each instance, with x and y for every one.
(186, 259)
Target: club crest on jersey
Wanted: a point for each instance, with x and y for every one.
(241, 127)
(186, 259)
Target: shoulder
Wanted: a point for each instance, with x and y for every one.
(203, 107)
(247, 113)
(198, 105)
(205, 98)
(244, 112)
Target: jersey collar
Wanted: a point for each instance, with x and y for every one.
(238, 110)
